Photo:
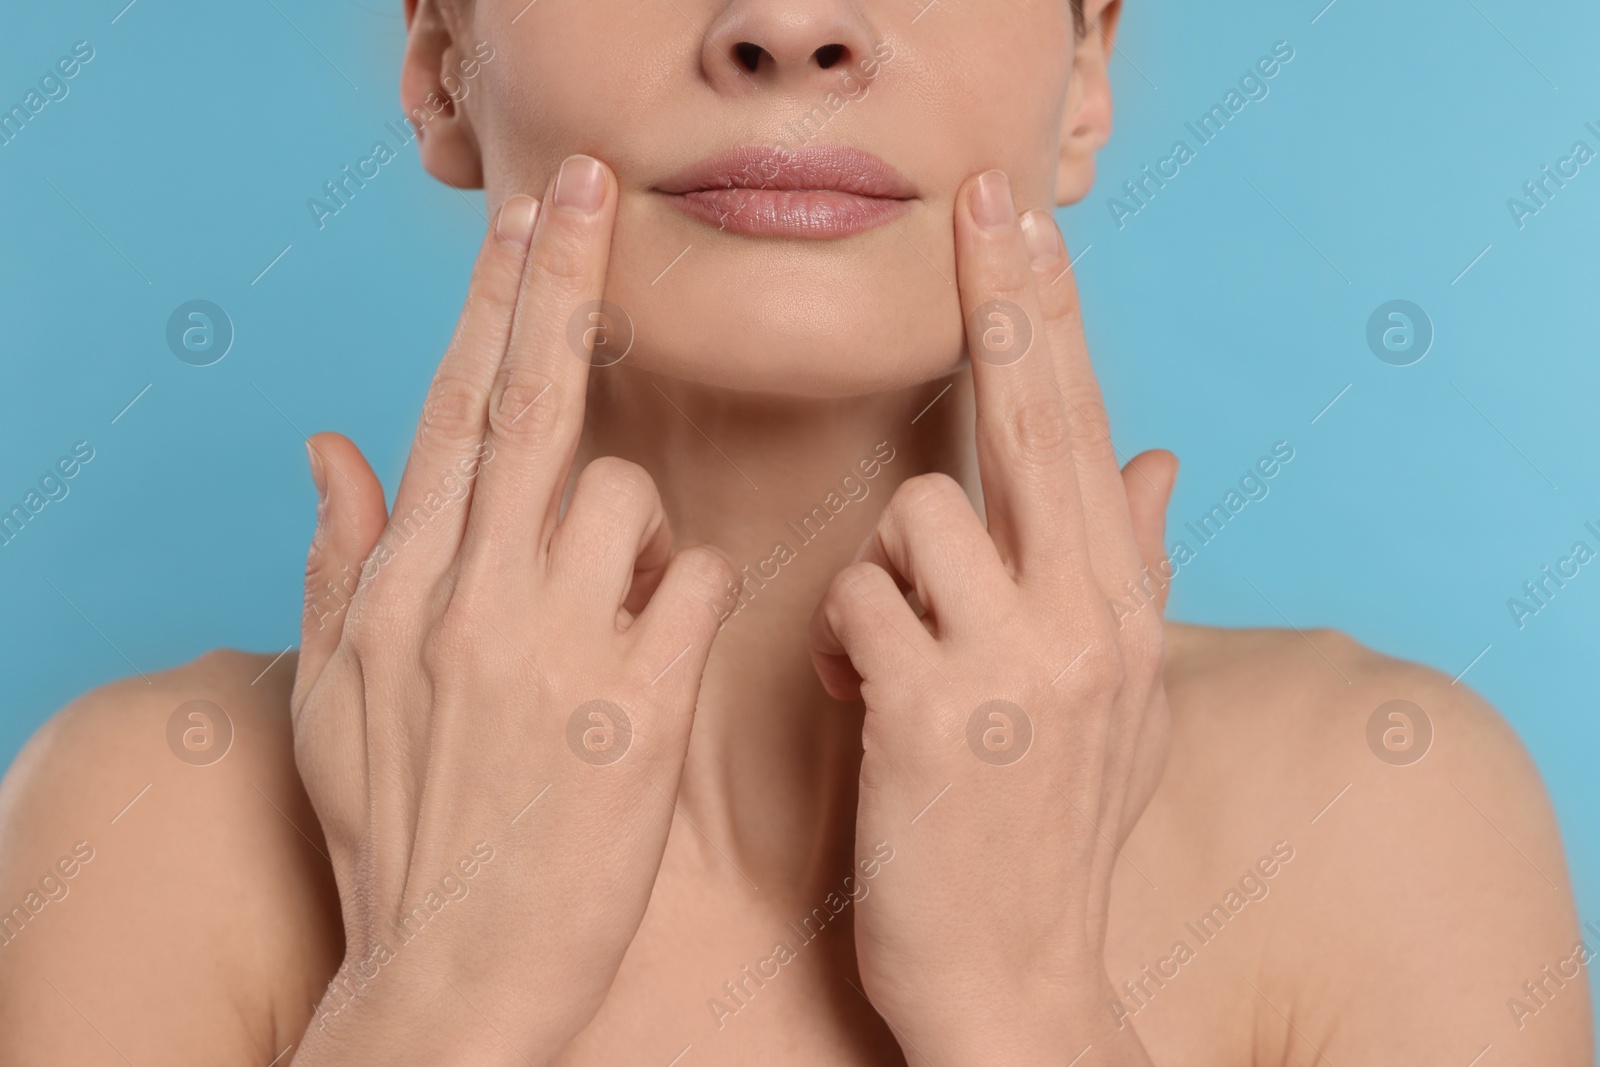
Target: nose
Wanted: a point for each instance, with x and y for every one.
(792, 44)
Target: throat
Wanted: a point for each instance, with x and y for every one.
(790, 488)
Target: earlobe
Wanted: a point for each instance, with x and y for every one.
(1086, 119)
(433, 92)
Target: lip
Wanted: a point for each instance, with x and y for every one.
(820, 192)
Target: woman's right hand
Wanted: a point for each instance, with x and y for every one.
(492, 727)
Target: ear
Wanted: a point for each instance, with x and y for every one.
(434, 93)
(1086, 123)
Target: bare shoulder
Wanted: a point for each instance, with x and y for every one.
(1298, 701)
(160, 874)
(1427, 911)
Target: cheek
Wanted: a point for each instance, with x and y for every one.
(964, 92)
(979, 93)
(1010, 77)
(541, 99)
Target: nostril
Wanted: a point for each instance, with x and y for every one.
(749, 55)
(828, 55)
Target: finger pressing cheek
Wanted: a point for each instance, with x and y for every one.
(1024, 442)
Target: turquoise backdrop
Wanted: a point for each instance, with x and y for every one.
(1229, 304)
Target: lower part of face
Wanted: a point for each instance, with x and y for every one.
(831, 294)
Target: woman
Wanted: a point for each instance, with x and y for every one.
(764, 658)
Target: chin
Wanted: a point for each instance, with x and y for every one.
(780, 316)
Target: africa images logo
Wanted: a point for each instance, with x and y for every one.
(1139, 192)
(341, 190)
(999, 733)
(599, 732)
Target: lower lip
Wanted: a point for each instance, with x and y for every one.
(818, 214)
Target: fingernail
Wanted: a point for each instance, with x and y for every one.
(1042, 236)
(992, 205)
(517, 216)
(581, 185)
(319, 473)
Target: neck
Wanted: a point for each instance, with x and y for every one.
(790, 488)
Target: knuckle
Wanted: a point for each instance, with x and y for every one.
(875, 776)
(500, 264)
(1040, 428)
(857, 585)
(935, 492)
(709, 578)
(622, 482)
(1103, 668)
(453, 411)
(1092, 425)
(1058, 295)
(524, 404)
(454, 639)
(1006, 275)
(379, 612)
(564, 255)
(371, 625)
(707, 568)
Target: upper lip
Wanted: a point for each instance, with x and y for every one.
(815, 168)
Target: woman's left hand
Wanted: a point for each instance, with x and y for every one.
(1016, 730)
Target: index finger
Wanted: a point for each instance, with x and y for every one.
(536, 406)
(1030, 483)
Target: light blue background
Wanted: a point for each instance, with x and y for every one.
(1224, 316)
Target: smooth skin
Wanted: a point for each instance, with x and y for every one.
(815, 749)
